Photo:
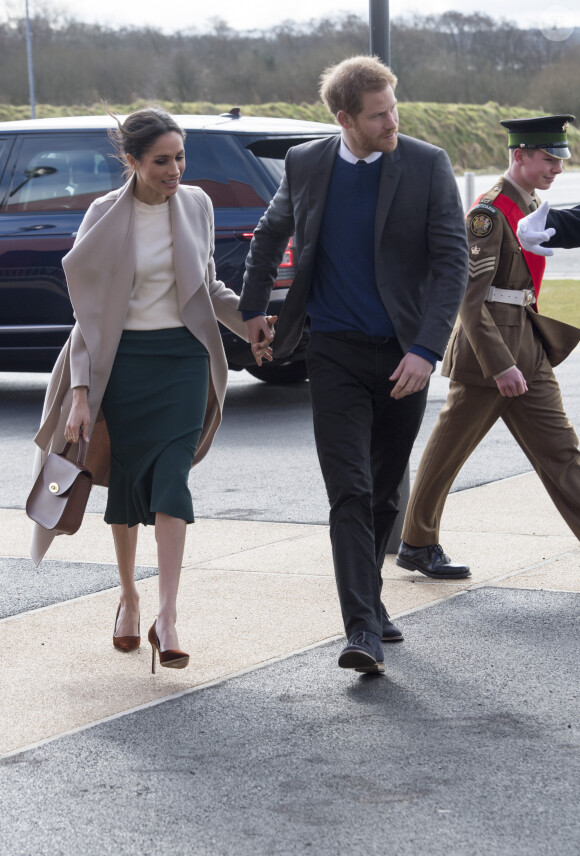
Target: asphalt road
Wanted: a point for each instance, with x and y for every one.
(263, 464)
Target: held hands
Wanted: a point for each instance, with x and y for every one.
(411, 375)
(532, 231)
(79, 416)
(261, 332)
(512, 383)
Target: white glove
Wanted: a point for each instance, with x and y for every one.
(532, 231)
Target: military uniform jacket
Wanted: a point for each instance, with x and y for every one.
(489, 338)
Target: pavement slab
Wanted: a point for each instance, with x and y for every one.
(70, 675)
(205, 539)
(563, 574)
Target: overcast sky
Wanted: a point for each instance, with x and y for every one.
(261, 14)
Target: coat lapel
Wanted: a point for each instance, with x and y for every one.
(112, 232)
(99, 270)
(390, 175)
(191, 230)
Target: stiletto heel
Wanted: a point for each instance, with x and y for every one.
(173, 658)
(126, 643)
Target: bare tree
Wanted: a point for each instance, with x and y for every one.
(452, 57)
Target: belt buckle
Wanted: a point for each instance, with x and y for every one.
(528, 297)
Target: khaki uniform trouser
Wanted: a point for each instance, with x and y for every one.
(538, 422)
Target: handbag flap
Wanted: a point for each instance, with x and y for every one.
(59, 496)
(59, 474)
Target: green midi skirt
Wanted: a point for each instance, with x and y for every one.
(154, 406)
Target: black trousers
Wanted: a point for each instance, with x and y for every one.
(363, 439)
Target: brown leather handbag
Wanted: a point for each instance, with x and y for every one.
(61, 492)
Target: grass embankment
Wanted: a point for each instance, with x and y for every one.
(469, 133)
(560, 298)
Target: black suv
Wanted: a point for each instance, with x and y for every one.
(52, 169)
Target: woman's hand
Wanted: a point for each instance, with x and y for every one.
(261, 333)
(79, 416)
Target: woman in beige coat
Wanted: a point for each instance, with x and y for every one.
(143, 374)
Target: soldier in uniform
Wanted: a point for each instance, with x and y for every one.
(500, 355)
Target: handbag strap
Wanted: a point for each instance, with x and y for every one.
(83, 449)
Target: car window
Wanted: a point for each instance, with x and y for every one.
(5, 146)
(271, 153)
(56, 172)
(220, 166)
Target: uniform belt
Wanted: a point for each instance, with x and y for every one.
(521, 297)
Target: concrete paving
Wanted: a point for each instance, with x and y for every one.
(469, 744)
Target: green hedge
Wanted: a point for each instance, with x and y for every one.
(470, 133)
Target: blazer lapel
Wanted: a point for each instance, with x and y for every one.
(390, 175)
(317, 189)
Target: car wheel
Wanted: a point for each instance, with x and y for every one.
(273, 373)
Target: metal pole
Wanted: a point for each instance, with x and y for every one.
(379, 30)
(469, 190)
(30, 66)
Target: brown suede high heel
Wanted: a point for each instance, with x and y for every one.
(125, 643)
(171, 659)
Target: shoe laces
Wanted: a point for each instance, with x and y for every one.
(441, 553)
(363, 637)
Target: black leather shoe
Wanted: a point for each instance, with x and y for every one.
(364, 653)
(431, 561)
(390, 633)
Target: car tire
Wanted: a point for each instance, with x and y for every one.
(280, 374)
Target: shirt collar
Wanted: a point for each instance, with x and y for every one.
(527, 197)
(346, 154)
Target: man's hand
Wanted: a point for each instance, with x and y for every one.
(261, 332)
(512, 383)
(411, 375)
(532, 231)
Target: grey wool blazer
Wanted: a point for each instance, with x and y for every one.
(421, 260)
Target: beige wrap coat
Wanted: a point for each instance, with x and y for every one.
(100, 269)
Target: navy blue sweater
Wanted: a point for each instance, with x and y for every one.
(344, 294)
